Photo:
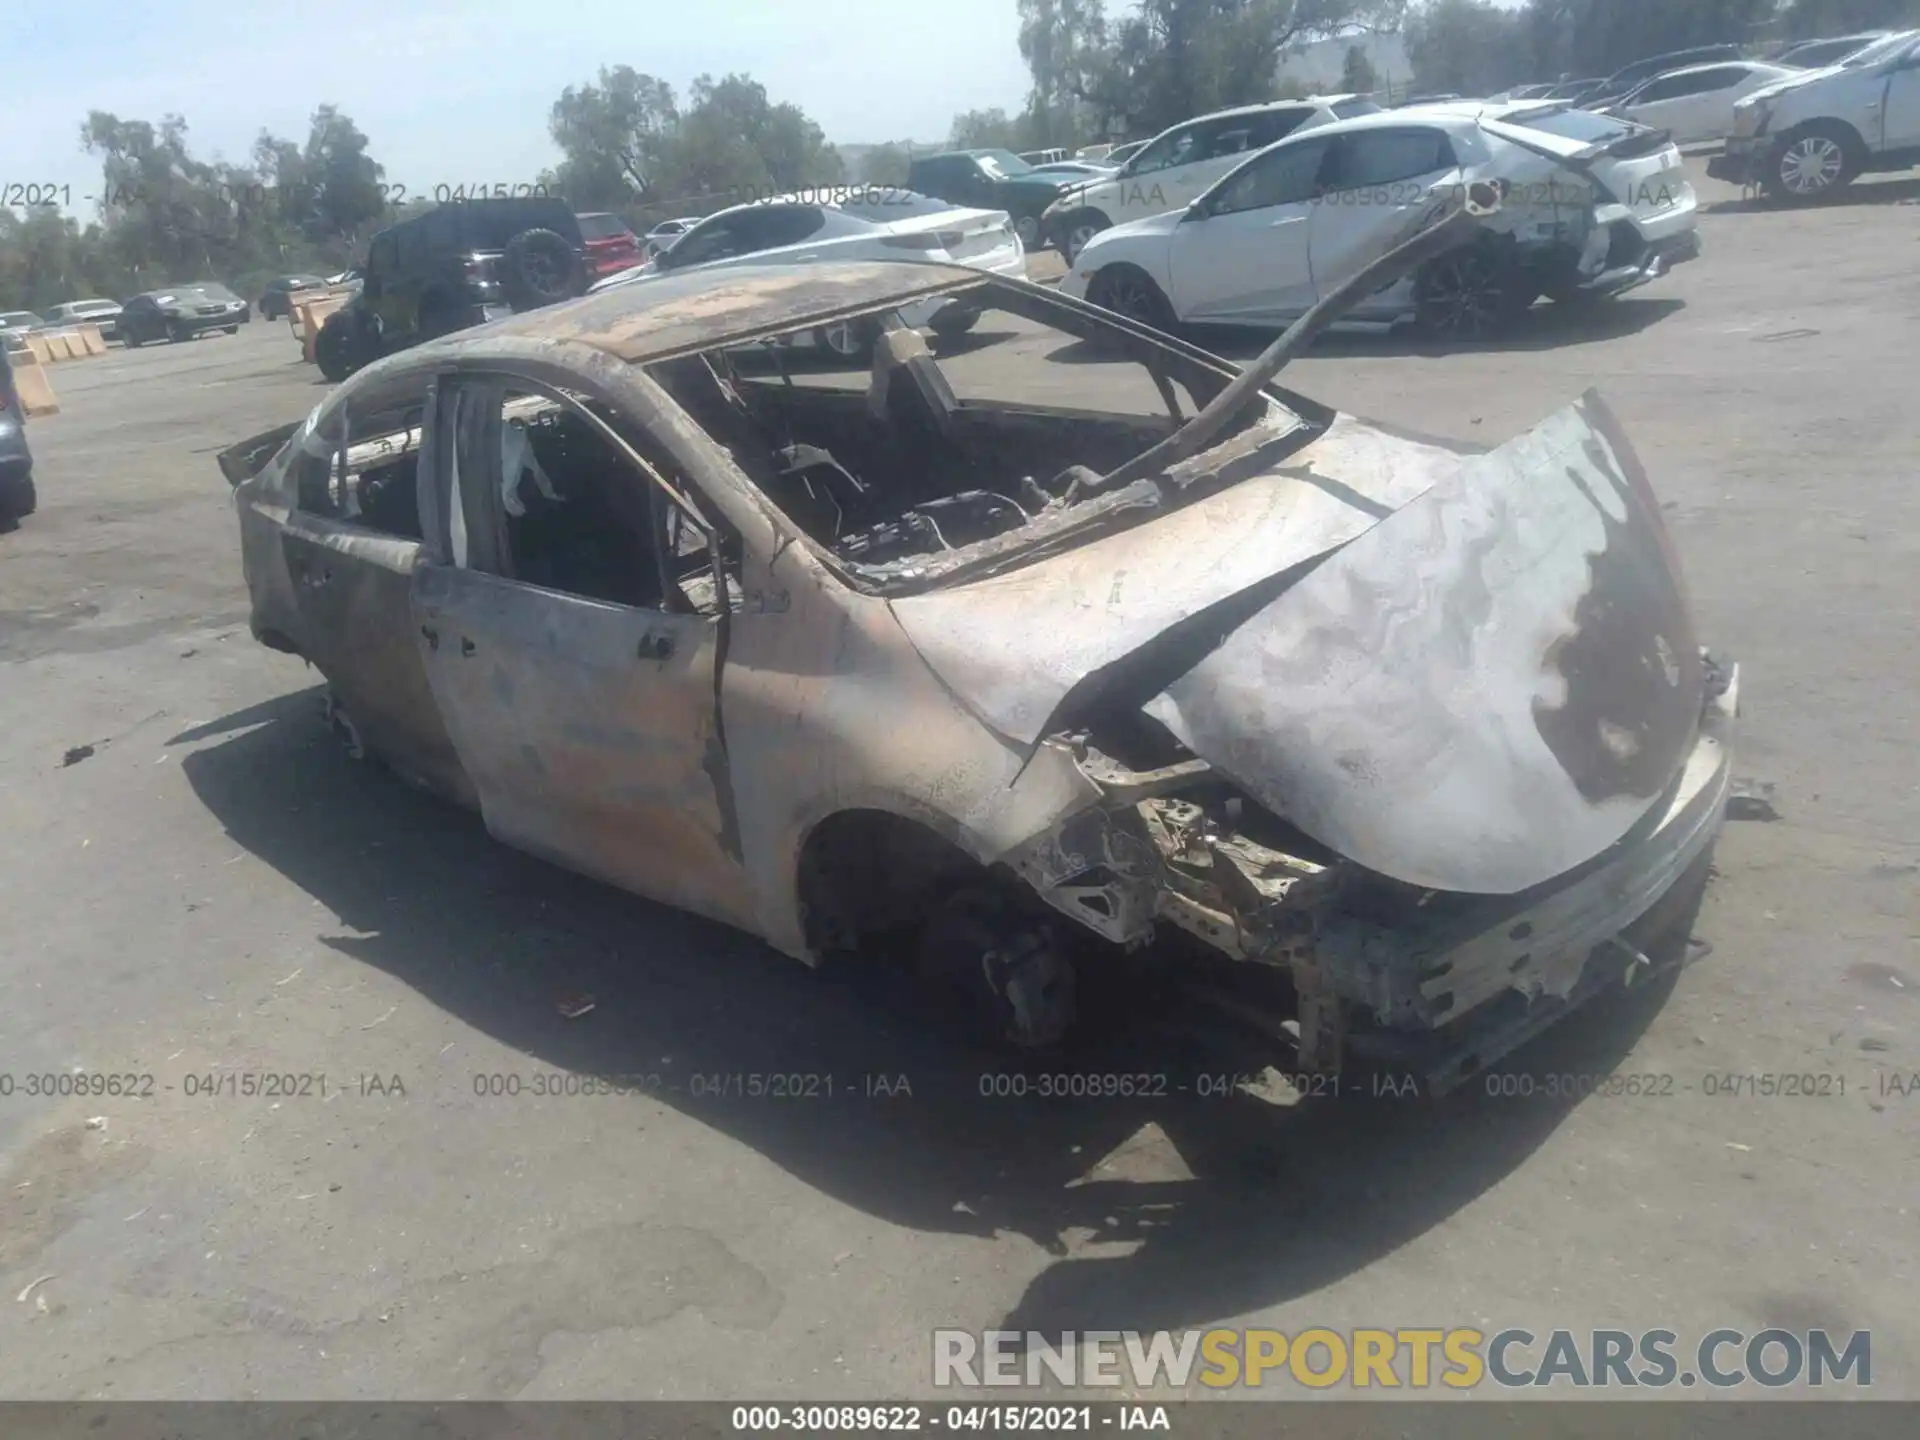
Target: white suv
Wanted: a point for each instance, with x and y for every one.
(1805, 137)
(1178, 164)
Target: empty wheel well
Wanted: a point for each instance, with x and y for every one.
(868, 875)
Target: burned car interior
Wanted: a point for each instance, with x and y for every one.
(901, 471)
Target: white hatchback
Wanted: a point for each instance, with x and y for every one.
(1173, 168)
(1594, 205)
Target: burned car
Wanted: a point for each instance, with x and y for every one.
(1004, 661)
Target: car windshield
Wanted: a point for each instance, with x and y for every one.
(1879, 50)
(1569, 124)
(19, 317)
(1002, 163)
(1047, 402)
(1348, 109)
(884, 204)
(208, 293)
(92, 307)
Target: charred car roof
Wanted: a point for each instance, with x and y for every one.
(659, 318)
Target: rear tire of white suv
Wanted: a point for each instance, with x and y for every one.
(1813, 162)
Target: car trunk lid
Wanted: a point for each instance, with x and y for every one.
(958, 234)
(1638, 167)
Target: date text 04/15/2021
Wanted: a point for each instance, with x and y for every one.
(247, 195)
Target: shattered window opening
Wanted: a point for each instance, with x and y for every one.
(578, 519)
(366, 471)
(909, 461)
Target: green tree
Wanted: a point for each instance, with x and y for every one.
(344, 180)
(984, 130)
(1807, 19)
(884, 165)
(1065, 45)
(1357, 75)
(1164, 61)
(1469, 47)
(627, 145)
(1597, 37)
(614, 137)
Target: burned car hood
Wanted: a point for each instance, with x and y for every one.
(1472, 673)
(1012, 647)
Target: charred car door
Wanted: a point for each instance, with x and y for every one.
(351, 541)
(572, 650)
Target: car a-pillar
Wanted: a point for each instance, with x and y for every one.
(983, 954)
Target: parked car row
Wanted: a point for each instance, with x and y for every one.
(104, 313)
(1806, 136)
(1799, 125)
(175, 312)
(1594, 206)
(1243, 217)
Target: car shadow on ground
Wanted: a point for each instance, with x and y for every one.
(1881, 192)
(1244, 1205)
(1546, 326)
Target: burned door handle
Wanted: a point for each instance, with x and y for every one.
(466, 646)
(655, 647)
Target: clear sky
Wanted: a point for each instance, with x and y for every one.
(453, 91)
(457, 91)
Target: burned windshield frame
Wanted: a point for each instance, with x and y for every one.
(1085, 515)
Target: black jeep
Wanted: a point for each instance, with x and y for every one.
(457, 265)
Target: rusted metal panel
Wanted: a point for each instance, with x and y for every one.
(1481, 693)
(352, 590)
(590, 732)
(829, 709)
(1013, 646)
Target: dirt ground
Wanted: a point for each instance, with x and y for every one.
(218, 890)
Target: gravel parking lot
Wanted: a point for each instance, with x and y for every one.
(216, 890)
